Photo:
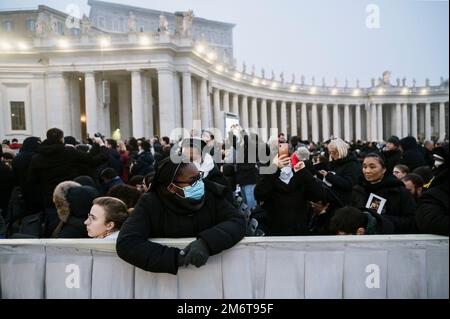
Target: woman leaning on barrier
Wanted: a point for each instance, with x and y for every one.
(179, 204)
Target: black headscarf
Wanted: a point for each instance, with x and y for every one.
(165, 174)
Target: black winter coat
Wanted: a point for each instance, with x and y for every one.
(348, 171)
(412, 156)
(400, 205)
(432, 211)
(6, 186)
(56, 163)
(287, 205)
(392, 159)
(216, 221)
(144, 164)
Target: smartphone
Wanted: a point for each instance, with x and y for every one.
(283, 150)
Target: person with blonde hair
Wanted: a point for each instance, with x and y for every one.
(106, 217)
(344, 170)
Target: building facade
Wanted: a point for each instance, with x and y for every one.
(102, 75)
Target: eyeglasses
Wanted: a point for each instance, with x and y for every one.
(192, 181)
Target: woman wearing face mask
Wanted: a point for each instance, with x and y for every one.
(106, 218)
(399, 207)
(193, 150)
(179, 204)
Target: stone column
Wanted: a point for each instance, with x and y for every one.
(442, 121)
(166, 101)
(347, 137)
(405, 120)
(374, 123)
(91, 103)
(325, 123)
(336, 131)
(368, 122)
(273, 113)
(315, 123)
(124, 108)
(254, 112)
(218, 121)
(264, 122)
(244, 112)
(380, 122)
(358, 135)
(283, 118)
(226, 102)
(428, 121)
(148, 107)
(294, 124)
(137, 108)
(436, 120)
(235, 105)
(398, 120)
(304, 122)
(204, 114)
(187, 102)
(414, 120)
(421, 120)
(177, 95)
(58, 113)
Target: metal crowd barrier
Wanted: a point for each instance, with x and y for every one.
(366, 267)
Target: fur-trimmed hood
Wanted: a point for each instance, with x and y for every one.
(73, 200)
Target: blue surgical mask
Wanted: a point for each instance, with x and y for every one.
(196, 192)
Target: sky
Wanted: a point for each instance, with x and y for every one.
(343, 39)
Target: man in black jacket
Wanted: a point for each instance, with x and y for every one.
(55, 163)
(179, 205)
(392, 153)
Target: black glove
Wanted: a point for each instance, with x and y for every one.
(197, 253)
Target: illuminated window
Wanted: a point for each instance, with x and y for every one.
(18, 116)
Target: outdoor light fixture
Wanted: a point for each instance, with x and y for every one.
(144, 40)
(334, 91)
(104, 42)
(405, 91)
(380, 91)
(6, 46)
(313, 90)
(22, 46)
(424, 91)
(356, 92)
(200, 48)
(212, 56)
(219, 68)
(238, 75)
(63, 44)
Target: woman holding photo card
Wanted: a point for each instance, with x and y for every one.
(384, 194)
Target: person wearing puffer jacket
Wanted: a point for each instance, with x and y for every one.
(73, 203)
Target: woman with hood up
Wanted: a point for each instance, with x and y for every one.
(179, 204)
(73, 203)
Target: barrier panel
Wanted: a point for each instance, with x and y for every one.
(348, 267)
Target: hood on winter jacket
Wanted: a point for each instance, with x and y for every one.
(409, 143)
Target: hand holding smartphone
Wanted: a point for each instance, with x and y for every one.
(283, 150)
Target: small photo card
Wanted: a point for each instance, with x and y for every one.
(376, 203)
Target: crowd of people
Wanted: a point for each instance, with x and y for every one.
(216, 192)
